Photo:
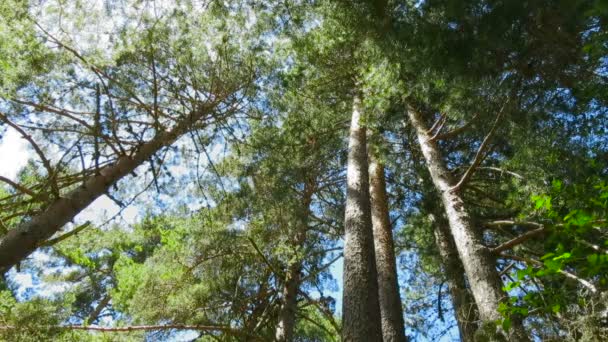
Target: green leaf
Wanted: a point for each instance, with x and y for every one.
(542, 202)
(510, 286)
(557, 185)
(593, 259)
(547, 256)
(506, 324)
(563, 256)
(553, 265)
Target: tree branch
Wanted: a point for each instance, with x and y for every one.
(441, 118)
(500, 223)
(455, 131)
(45, 161)
(518, 240)
(66, 235)
(480, 152)
(516, 175)
(272, 269)
(99, 308)
(439, 128)
(567, 274)
(21, 188)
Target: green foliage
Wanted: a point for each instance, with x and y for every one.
(280, 77)
(575, 246)
(23, 55)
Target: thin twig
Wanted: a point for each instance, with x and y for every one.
(66, 235)
(567, 274)
(21, 188)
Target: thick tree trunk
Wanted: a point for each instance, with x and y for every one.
(287, 315)
(465, 309)
(393, 327)
(21, 241)
(360, 306)
(478, 262)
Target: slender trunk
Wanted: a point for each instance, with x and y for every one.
(360, 306)
(21, 241)
(287, 315)
(390, 302)
(289, 307)
(465, 309)
(478, 262)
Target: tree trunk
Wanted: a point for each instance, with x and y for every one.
(287, 315)
(360, 306)
(465, 309)
(390, 301)
(21, 241)
(478, 262)
(289, 307)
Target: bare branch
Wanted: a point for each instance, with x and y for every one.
(437, 123)
(99, 308)
(516, 175)
(480, 152)
(518, 240)
(322, 268)
(45, 161)
(455, 131)
(66, 235)
(18, 187)
(501, 223)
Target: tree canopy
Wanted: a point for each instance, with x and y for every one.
(204, 170)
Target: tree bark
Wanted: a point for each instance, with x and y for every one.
(465, 309)
(287, 314)
(478, 262)
(360, 306)
(21, 241)
(391, 311)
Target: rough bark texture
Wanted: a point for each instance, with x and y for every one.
(478, 262)
(465, 309)
(21, 241)
(287, 315)
(393, 327)
(289, 306)
(360, 306)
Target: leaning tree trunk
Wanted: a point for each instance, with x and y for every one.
(393, 327)
(20, 242)
(289, 306)
(465, 309)
(360, 306)
(478, 262)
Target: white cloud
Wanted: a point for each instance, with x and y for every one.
(13, 154)
(103, 208)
